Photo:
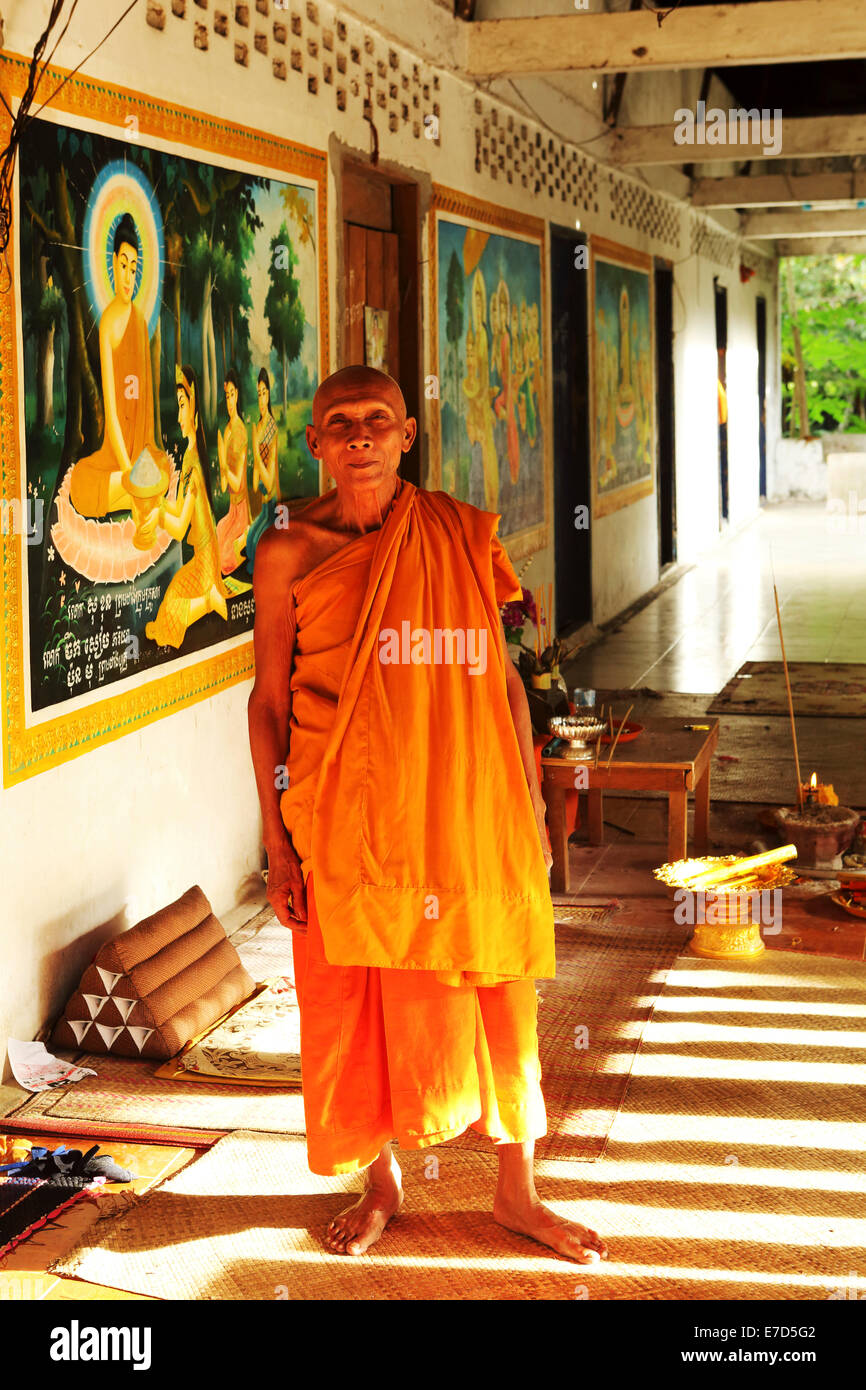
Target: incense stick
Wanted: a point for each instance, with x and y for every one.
(790, 699)
(618, 732)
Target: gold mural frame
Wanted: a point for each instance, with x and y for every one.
(450, 202)
(604, 504)
(31, 749)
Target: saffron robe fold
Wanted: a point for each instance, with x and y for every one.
(424, 840)
(398, 1054)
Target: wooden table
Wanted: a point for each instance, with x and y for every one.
(667, 757)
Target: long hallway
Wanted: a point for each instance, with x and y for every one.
(697, 633)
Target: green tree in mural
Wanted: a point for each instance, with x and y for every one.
(453, 334)
(60, 160)
(46, 319)
(283, 309)
(825, 299)
(224, 202)
(232, 301)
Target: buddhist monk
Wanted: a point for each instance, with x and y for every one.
(403, 821)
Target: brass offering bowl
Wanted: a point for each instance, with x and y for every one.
(580, 732)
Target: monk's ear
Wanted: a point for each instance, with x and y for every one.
(312, 441)
(410, 430)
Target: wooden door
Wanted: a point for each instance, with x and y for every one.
(372, 262)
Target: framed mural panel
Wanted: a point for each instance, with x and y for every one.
(490, 438)
(622, 371)
(164, 330)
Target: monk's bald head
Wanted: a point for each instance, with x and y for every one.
(360, 430)
(351, 384)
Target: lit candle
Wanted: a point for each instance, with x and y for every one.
(812, 791)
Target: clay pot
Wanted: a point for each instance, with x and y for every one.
(820, 844)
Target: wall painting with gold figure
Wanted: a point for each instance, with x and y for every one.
(168, 328)
(623, 379)
(489, 421)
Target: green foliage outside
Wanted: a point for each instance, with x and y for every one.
(830, 293)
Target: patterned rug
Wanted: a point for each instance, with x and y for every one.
(590, 1021)
(573, 914)
(28, 1204)
(834, 689)
(735, 1170)
(259, 1042)
(116, 1130)
(128, 1093)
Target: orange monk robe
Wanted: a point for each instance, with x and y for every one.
(424, 838)
(407, 1028)
(133, 396)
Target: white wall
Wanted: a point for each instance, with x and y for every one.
(696, 421)
(88, 848)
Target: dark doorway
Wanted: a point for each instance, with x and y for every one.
(569, 257)
(722, 353)
(761, 306)
(667, 496)
(381, 254)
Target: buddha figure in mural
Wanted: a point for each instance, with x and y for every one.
(97, 481)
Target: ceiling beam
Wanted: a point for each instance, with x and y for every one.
(778, 190)
(822, 246)
(713, 36)
(806, 137)
(769, 225)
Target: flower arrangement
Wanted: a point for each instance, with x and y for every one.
(517, 614)
(543, 659)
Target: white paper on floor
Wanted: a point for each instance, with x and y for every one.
(36, 1070)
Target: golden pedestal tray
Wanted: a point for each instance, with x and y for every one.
(735, 933)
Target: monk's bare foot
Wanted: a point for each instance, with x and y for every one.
(358, 1227)
(537, 1221)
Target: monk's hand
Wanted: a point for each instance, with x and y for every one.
(540, 814)
(286, 891)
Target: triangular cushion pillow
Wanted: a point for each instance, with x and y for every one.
(151, 989)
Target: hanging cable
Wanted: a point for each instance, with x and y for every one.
(24, 115)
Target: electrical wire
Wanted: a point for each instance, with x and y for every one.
(24, 115)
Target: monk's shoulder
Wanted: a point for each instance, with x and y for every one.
(289, 553)
(281, 555)
(478, 526)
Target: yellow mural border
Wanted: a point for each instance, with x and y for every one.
(451, 200)
(606, 503)
(28, 751)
